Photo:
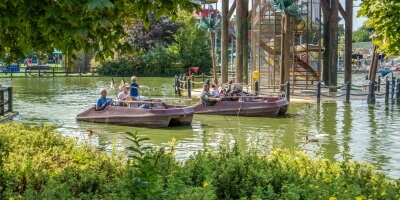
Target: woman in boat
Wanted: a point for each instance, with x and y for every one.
(124, 95)
(103, 101)
(207, 98)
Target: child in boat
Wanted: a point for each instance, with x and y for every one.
(103, 101)
(215, 92)
(134, 92)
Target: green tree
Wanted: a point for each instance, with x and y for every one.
(363, 34)
(212, 24)
(73, 25)
(192, 47)
(383, 16)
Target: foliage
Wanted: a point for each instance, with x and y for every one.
(44, 165)
(288, 7)
(363, 34)
(192, 47)
(159, 32)
(72, 25)
(383, 16)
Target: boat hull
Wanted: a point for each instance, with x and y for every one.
(150, 118)
(257, 107)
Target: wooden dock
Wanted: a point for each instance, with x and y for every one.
(6, 104)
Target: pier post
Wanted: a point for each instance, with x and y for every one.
(185, 80)
(53, 71)
(176, 84)
(208, 84)
(379, 83)
(192, 77)
(319, 92)
(288, 90)
(39, 71)
(387, 91)
(188, 88)
(371, 95)
(398, 91)
(10, 98)
(2, 102)
(348, 87)
(178, 88)
(203, 78)
(25, 70)
(256, 88)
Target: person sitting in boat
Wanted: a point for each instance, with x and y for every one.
(134, 92)
(103, 101)
(124, 95)
(207, 98)
(215, 92)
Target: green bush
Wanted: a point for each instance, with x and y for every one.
(41, 164)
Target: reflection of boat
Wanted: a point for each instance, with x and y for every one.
(155, 117)
(256, 107)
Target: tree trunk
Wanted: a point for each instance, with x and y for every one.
(224, 41)
(212, 37)
(374, 65)
(239, 41)
(333, 43)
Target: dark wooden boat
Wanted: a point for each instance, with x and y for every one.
(253, 107)
(155, 117)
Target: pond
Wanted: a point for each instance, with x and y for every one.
(347, 131)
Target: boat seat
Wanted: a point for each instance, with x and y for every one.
(158, 107)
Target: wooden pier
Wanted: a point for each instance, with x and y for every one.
(6, 104)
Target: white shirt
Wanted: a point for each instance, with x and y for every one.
(215, 93)
(122, 96)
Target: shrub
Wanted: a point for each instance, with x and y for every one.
(41, 164)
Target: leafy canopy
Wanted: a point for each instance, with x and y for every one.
(70, 25)
(383, 15)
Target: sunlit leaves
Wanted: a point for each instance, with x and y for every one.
(383, 16)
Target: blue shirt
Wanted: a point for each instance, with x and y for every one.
(103, 102)
(134, 92)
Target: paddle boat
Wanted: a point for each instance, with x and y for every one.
(251, 106)
(157, 115)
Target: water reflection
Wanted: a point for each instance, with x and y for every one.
(346, 131)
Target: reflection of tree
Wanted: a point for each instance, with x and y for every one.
(329, 113)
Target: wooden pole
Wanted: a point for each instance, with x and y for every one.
(348, 31)
(239, 41)
(333, 43)
(224, 41)
(326, 39)
(374, 65)
(245, 42)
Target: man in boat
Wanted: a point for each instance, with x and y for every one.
(207, 98)
(103, 101)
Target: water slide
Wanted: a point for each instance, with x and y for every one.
(302, 68)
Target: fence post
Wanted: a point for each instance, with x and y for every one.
(398, 91)
(256, 89)
(39, 71)
(178, 88)
(176, 84)
(80, 71)
(387, 91)
(348, 87)
(10, 97)
(2, 102)
(319, 92)
(53, 71)
(379, 83)
(25, 71)
(188, 88)
(185, 80)
(288, 90)
(192, 81)
(208, 84)
(371, 95)
(202, 78)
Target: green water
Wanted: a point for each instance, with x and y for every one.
(346, 131)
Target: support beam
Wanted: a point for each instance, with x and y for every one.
(325, 7)
(256, 4)
(231, 10)
(341, 10)
(333, 43)
(348, 33)
(224, 41)
(239, 41)
(245, 41)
